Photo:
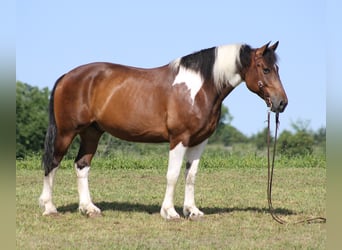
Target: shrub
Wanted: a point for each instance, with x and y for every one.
(300, 143)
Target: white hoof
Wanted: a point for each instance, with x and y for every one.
(89, 209)
(48, 207)
(192, 212)
(169, 213)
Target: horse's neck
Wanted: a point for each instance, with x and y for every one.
(223, 93)
(216, 98)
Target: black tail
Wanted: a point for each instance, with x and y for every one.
(50, 137)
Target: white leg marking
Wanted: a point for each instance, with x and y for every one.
(193, 155)
(192, 80)
(45, 199)
(175, 163)
(86, 206)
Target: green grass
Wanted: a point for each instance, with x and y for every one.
(155, 156)
(230, 190)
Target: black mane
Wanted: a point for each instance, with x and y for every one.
(201, 61)
(245, 56)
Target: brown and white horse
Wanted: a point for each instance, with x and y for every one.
(179, 103)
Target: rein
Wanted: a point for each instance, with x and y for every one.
(270, 176)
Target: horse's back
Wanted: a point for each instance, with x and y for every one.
(128, 102)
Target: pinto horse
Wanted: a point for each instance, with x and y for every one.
(179, 103)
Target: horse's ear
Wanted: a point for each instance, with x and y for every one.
(274, 46)
(261, 51)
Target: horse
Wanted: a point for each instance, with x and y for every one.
(178, 103)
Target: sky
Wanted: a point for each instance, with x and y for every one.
(52, 37)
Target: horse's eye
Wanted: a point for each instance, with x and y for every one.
(266, 70)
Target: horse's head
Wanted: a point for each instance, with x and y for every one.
(263, 79)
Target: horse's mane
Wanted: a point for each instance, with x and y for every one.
(201, 61)
(220, 63)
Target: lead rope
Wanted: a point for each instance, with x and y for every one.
(270, 176)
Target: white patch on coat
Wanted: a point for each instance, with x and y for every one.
(192, 80)
(225, 66)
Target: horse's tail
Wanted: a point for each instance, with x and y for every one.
(50, 137)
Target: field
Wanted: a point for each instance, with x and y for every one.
(230, 190)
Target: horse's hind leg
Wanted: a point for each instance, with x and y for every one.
(45, 199)
(89, 141)
(60, 148)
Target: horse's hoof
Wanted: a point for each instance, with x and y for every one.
(94, 214)
(89, 210)
(169, 214)
(51, 214)
(192, 212)
(196, 217)
(174, 219)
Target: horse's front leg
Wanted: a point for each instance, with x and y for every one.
(193, 155)
(175, 163)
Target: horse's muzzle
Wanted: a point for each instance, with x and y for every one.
(278, 105)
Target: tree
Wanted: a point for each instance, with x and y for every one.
(225, 133)
(320, 138)
(260, 139)
(231, 135)
(31, 118)
(226, 117)
(299, 143)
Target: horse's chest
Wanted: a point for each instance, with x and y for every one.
(209, 124)
(203, 127)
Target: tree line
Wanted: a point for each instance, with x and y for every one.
(32, 120)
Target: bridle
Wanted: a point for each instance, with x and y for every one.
(270, 175)
(266, 98)
(260, 83)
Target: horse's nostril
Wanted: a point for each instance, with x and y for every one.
(282, 105)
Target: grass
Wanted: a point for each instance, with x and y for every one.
(155, 156)
(233, 199)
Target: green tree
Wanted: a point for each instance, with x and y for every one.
(320, 138)
(300, 142)
(225, 133)
(260, 139)
(31, 118)
(231, 135)
(226, 117)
